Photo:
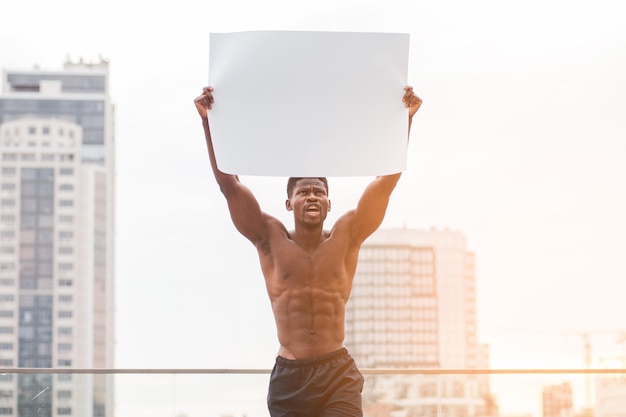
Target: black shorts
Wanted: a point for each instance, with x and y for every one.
(327, 385)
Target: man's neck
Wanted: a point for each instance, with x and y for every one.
(308, 238)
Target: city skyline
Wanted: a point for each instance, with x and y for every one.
(519, 145)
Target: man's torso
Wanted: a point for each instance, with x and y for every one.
(308, 290)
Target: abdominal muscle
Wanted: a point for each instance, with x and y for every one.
(309, 321)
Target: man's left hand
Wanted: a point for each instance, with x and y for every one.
(411, 101)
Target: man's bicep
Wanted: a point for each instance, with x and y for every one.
(372, 206)
(246, 213)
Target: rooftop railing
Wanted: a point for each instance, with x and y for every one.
(387, 392)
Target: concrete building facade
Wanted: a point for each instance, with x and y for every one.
(56, 240)
(558, 400)
(610, 397)
(413, 305)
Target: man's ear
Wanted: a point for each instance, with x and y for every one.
(328, 205)
(288, 205)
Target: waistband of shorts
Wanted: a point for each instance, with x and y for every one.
(316, 360)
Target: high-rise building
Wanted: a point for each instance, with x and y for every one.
(56, 240)
(413, 305)
(558, 401)
(391, 319)
(610, 396)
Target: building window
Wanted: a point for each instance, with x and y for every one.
(64, 394)
(6, 298)
(65, 347)
(66, 203)
(6, 393)
(64, 314)
(46, 130)
(66, 187)
(8, 202)
(8, 218)
(6, 313)
(8, 171)
(32, 130)
(29, 205)
(66, 171)
(6, 411)
(66, 267)
(9, 157)
(9, 186)
(64, 362)
(6, 363)
(63, 377)
(28, 157)
(64, 411)
(7, 234)
(6, 330)
(6, 346)
(65, 282)
(7, 266)
(64, 331)
(66, 219)
(48, 157)
(7, 249)
(7, 282)
(65, 298)
(66, 250)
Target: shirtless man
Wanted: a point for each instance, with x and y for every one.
(308, 275)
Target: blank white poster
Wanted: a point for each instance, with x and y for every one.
(309, 103)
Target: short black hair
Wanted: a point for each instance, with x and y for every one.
(291, 183)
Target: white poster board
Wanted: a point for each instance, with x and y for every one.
(309, 103)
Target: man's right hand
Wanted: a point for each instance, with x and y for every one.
(204, 101)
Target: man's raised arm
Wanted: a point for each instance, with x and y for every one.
(372, 205)
(243, 206)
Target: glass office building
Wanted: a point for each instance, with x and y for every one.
(391, 319)
(413, 305)
(56, 240)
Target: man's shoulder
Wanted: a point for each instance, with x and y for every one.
(275, 230)
(342, 229)
(346, 227)
(345, 220)
(274, 226)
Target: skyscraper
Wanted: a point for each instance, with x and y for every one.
(610, 396)
(558, 401)
(56, 239)
(391, 319)
(414, 305)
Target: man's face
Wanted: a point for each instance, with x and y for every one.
(309, 201)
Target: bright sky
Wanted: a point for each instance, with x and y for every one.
(520, 144)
